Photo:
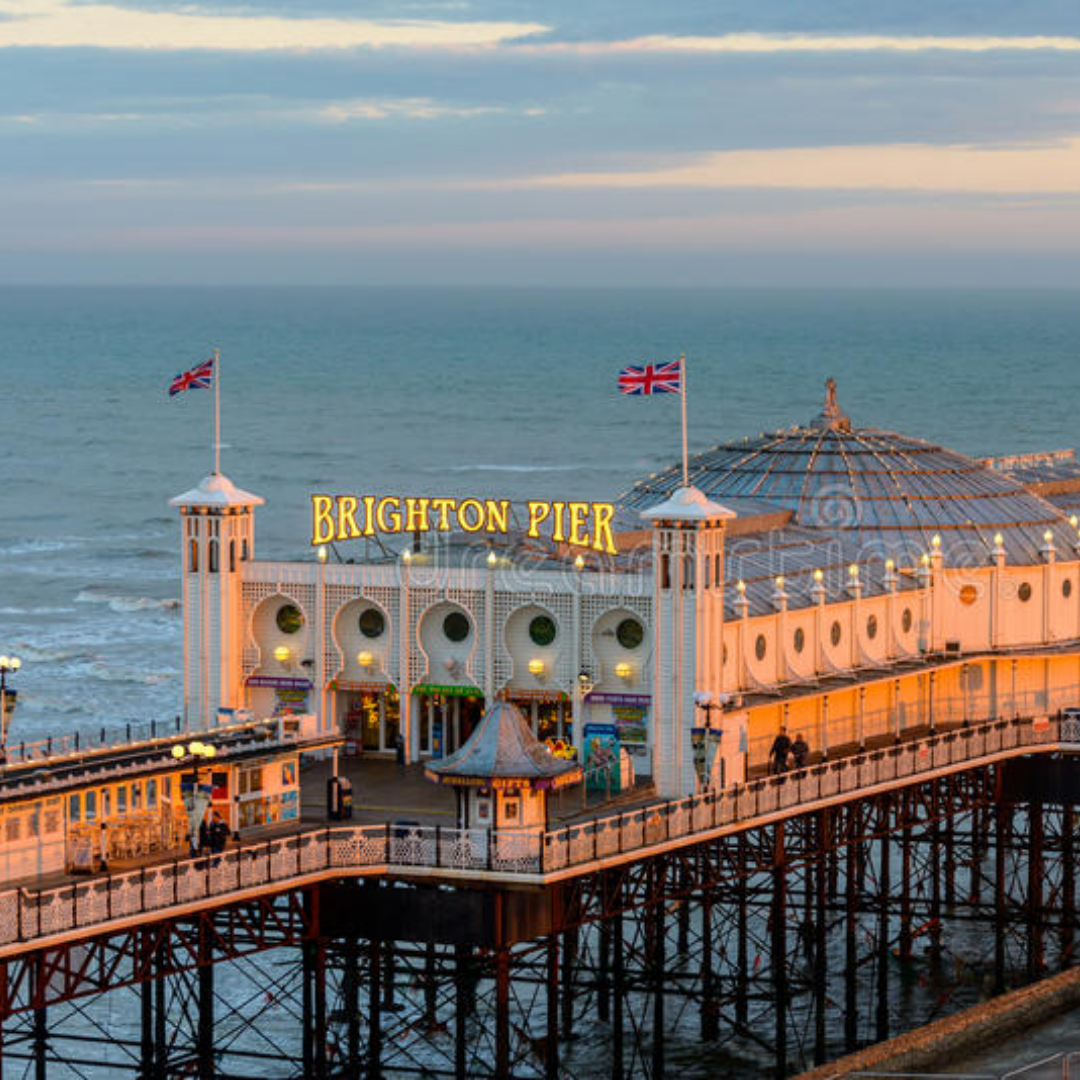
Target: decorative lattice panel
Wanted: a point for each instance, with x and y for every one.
(561, 606)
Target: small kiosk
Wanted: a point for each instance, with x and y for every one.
(502, 773)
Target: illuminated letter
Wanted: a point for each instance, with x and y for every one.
(322, 521)
(369, 515)
(443, 507)
(416, 516)
(538, 512)
(602, 538)
(498, 515)
(557, 532)
(578, 513)
(394, 524)
(346, 515)
(474, 507)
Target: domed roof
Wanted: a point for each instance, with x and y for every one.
(891, 491)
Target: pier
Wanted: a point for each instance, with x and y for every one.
(779, 915)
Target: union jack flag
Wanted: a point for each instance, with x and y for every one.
(198, 378)
(652, 378)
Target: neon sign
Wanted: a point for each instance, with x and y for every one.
(350, 517)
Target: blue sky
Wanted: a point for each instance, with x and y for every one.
(492, 141)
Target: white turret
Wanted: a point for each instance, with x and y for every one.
(688, 573)
(217, 536)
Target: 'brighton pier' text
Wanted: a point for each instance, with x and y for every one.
(349, 517)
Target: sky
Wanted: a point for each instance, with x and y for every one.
(574, 142)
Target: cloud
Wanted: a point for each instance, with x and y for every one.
(418, 108)
(62, 24)
(760, 43)
(985, 169)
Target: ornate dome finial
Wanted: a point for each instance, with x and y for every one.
(831, 417)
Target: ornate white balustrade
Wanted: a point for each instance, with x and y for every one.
(28, 916)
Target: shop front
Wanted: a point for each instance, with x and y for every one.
(549, 712)
(268, 792)
(278, 695)
(627, 717)
(447, 715)
(368, 715)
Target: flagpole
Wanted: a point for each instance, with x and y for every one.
(217, 413)
(685, 457)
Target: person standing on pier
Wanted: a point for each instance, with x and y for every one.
(781, 747)
(800, 750)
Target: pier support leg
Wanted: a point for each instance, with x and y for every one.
(502, 1013)
(1068, 885)
(146, 1004)
(1001, 854)
(430, 986)
(851, 970)
(462, 1008)
(351, 994)
(205, 1033)
(551, 1054)
(885, 845)
(1036, 959)
(710, 1007)
(41, 1027)
(375, 953)
(905, 877)
(820, 959)
(161, 1045)
(778, 919)
(603, 982)
(657, 931)
(618, 989)
(742, 982)
(567, 971)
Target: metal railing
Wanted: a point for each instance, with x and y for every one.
(130, 735)
(30, 915)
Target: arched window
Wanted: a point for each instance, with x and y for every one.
(244, 554)
(232, 556)
(193, 555)
(213, 559)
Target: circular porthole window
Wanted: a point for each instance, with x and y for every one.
(871, 627)
(799, 639)
(630, 633)
(905, 620)
(1024, 592)
(542, 630)
(1066, 588)
(968, 594)
(289, 618)
(456, 626)
(372, 623)
(834, 633)
(759, 647)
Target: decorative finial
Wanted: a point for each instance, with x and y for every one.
(831, 417)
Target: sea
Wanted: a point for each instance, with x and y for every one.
(492, 392)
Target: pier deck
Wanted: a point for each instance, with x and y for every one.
(315, 851)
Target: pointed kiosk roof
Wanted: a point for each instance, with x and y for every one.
(503, 753)
(216, 492)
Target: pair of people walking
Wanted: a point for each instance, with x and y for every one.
(784, 750)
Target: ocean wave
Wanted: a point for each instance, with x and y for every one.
(124, 604)
(43, 547)
(36, 610)
(509, 468)
(130, 675)
(38, 654)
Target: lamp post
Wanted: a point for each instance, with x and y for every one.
(197, 753)
(8, 665)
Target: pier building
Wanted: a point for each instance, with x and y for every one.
(842, 582)
(910, 610)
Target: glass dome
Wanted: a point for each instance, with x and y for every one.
(891, 493)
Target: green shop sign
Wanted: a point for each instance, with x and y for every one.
(431, 689)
